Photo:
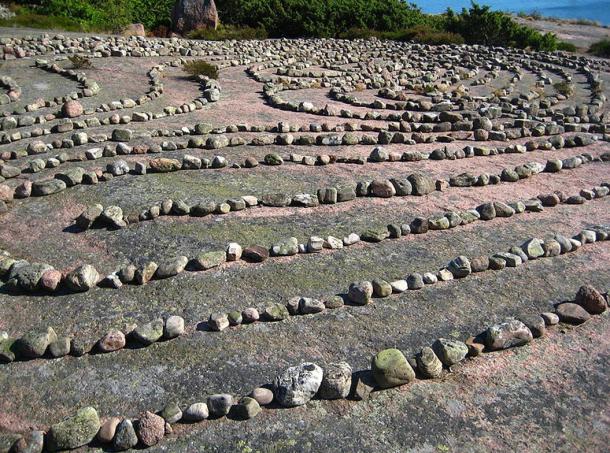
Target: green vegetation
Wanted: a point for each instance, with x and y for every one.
(481, 25)
(601, 48)
(200, 67)
(566, 46)
(564, 88)
(227, 32)
(79, 62)
(259, 19)
(420, 33)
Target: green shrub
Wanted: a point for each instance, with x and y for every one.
(320, 18)
(226, 32)
(564, 88)
(28, 18)
(601, 48)
(481, 25)
(79, 62)
(566, 46)
(200, 67)
(423, 34)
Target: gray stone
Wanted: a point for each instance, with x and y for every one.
(360, 292)
(171, 413)
(450, 352)
(336, 382)
(507, 334)
(429, 364)
(460, 267)
(125, 436)
(83, 278)
(196, 412)
(219, 405)
(298, 384)
(148, 333)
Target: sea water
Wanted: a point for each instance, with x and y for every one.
(597, 10)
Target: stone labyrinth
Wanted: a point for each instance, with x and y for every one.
(183, 258)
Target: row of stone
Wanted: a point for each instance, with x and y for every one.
(298, 385)
(73, 109)
(21, 275)
(13, 90)
(361, 293)
(44, 342)
(417, 184)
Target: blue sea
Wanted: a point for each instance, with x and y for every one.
(598, 10)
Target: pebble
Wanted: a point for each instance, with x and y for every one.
(125, 436)
(429, 364)
(262, 395)
(550, 319)
(572, 313)
(507, 334)
(360, 293)
(250, 315)
(255, 254)
(336, 382)
(108, 429)
(415, 281)
(219, 405)
(174, 327)
(148, 333)
(460, 267)
(218, 321)
(450, 352)
(247, 408)
(74, 431)
(150, 429)
(171, 413)
(591, 300)
(196, 412)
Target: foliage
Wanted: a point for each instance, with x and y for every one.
(481, 25)
(200, 67)
(26, 18)
(79, 62)
(566, 46)
(564, 88)
(226, 32)
(320, 18)
(601, 48)
(420, 33)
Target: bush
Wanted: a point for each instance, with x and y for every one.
(424, 34)
(226, 32)
(564, 88)
(481, 25)
(79, 62)
(320, 18)
(27, 18)
(200, 67)
(566, 46)
(601, 48)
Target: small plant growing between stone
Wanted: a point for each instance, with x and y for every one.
(196, 68)
(564, 88)
(79, 62)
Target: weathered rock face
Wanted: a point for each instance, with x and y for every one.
(189, 15)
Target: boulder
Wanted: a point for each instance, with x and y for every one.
(189, 15)
(572, 313)
(150, 429)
